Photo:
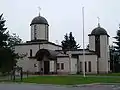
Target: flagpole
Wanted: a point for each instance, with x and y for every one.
(83, 44)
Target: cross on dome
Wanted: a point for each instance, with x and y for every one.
(39, 10)
(98, 21)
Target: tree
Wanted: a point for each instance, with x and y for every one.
(117, 42)
(116, 52)
(87, 47)
(7, 54)
(69, 43)
(13, 40)
(3, 33)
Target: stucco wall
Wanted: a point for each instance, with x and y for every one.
(104, 52)
(26, 49)
(70, 65)
(52, 67)
(92, 43)
(73, 65)
(26, 63)
(41, 31)
(64, 60)
(53, 47)
(93, 59)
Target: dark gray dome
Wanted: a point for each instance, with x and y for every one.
(39, 20)
(99, 31)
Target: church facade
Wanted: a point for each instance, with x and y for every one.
(45, 57)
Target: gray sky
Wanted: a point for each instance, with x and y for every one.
(63, 16)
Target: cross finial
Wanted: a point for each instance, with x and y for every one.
(39, 10)
(98, 21)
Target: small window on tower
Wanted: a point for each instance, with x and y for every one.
(30, 52)
(35, 32)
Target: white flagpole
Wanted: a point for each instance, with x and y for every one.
(83, 44)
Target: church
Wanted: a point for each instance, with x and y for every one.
(45, 57)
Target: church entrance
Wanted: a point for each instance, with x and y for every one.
(46, 67)
(48, 61)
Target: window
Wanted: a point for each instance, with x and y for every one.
(35, 65)
(58, 66)
(85, 66)
(62, 66)
(97, 45)
(89, 66)
(80, 66)
(35, 32)
(30, 52)
(47, 32)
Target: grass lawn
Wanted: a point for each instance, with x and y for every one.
(70, 80)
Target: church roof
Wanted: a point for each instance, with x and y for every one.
(37, 42)
(80, 52)
(39, 20)
(98, 31)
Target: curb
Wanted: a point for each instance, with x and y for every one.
(84, 85)
(78, 85)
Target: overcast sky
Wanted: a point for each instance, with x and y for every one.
(63, 16)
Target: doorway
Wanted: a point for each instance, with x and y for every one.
(46, 67)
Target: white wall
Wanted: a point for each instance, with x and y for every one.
(73, 65)
(52, 67)
(92, 43)
(53, 47)
(26, 63)
(93, 59)
(104, 52)
(64, 60)
(41, 32)
(70, 65)
(26, 49)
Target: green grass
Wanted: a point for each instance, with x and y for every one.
(70, 80)
(110, 74)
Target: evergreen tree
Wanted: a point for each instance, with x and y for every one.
(117, 47)
(3, 33)
(87, 46)
(7, 54)
(69, 43)
(117, 52)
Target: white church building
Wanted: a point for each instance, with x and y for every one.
(43, 56)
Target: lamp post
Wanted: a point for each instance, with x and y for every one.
(83, 44)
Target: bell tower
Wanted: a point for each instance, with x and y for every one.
(39, 28)
(99, 42)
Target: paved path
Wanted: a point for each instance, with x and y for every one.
(53, 87)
